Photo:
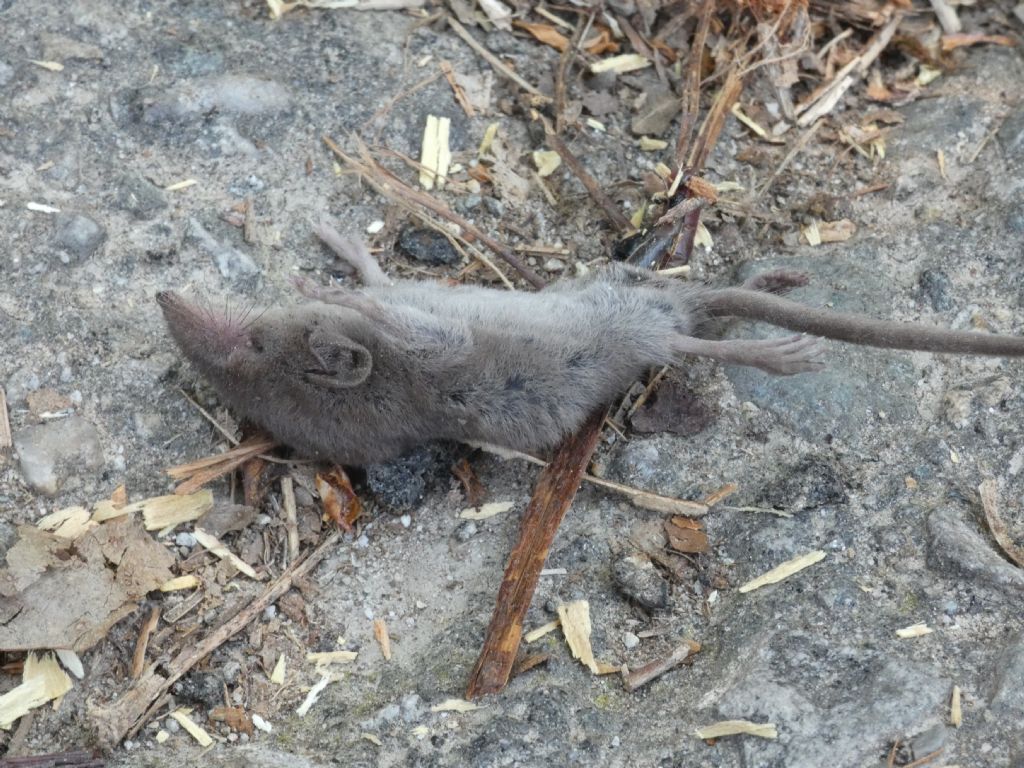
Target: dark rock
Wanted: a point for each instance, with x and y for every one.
(936, 289)
(399, 485)
(928, 741)
(638, 579)
(813, 482)
(79, 235)
(673, 408)
(138, 196)
(427, 246)
(203, 688)
(1011, 137)
(954, 548)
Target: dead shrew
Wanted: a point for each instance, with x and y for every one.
(361, 376)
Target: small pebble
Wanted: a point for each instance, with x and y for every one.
(630, 640)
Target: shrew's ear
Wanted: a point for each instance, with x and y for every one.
(340, 362)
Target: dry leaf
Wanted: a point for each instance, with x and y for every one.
(340, 503)
(784, 571)
(55, 593)
(575, 619)
(688, 539)
(475, 491)
(546, 34)
(236, 718)
(602, 42)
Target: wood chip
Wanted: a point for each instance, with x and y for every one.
(52, 66)
(42, 680)
(71, 661)
(41, 207)
(988, 491)
(331, 657)
(637, 678)
(499, 14)
(626, 62)
(314, 693)
(188, 581)
(139, 657)
(737, 727)
(372, 739)
(575, 620)
(686, 535)
(380, 632)
(487, 510)
(6, 440)
(435, 154)
(68, 523)
(784, 571)
(454, 705)
(291, 517)
(956, 714)
(648, 144)
(179, 185)
(159, 512)
(536, 634)
(547, 162)
(191, 727)
(212, 543)
(914, 630)
(277, 675)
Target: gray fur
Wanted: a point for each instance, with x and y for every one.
(359, 377)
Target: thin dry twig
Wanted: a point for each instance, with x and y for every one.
(206, 470)
(6, 441)
(989, 504)
(139, 657)
(499, 66)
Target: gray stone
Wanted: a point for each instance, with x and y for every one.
(638, 579)
(79, 235)
(954, 548)
(231, 94)
(6, 73)
(657, 114)
(936, 288)
(1011, 137)
(928, 741)
(857, 382)
(232, 263)
(138, 196)
(1007, 699)
(51, 454)
(880, 696)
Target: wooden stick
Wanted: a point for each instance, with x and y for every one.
(555, 491)
(125, 716)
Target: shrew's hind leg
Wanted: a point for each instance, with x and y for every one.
(353, 252)
(782, 356)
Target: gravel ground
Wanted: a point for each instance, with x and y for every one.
(877, 460)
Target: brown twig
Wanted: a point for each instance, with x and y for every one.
(208, 469)
(611, 211)
(125, 716)
(555, 491)
(139, 657)
(640, 677)
(393, 188)
(499, 66)
(77, 759)
(564, 64)
(691, 90)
